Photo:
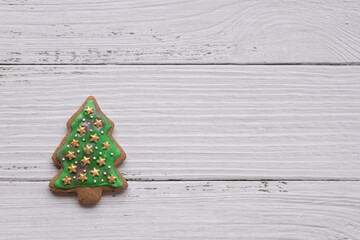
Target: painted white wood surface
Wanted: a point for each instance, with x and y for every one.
(190, 122)
(186, 128)
(186, 210)
(178, 31)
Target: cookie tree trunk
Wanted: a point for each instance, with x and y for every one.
(88, 195)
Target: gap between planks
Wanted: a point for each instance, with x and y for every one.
(203, 180)
(188, 64)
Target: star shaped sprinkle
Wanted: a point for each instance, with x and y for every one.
(70, 155)
(74, 143)
(94, 138)
(111, 178)
(72, 168)
(81, 130)
(95, 172)
(82, 177)
(89, 110)
(101, 161)
(66, 180)
(106, 145)
(88, 149)
(85, 160)
(98, 123)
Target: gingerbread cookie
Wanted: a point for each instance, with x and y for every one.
(88, 156)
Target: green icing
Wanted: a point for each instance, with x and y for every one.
(103, 137)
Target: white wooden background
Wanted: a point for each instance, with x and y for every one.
(240, 119)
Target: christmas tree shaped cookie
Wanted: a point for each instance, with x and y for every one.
(88, 156)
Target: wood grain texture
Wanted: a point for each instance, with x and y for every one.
(186, 210)
(190, 122)
(178, 31)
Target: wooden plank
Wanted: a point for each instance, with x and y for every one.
(178, 31)
(186, 210)
(190, 122)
